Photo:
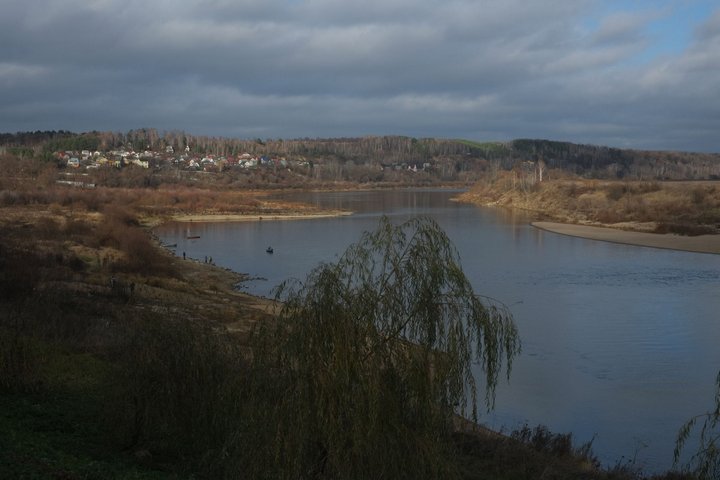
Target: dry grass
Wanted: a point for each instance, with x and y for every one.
(689, 208)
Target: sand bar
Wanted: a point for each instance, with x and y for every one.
(700, 243)
(254, 217)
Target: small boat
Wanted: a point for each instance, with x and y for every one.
(269, 250)
(170, 245)
(192, 237)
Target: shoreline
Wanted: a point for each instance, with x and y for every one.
(254, 217)
(708, 244)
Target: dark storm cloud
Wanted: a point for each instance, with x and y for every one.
(289, 68)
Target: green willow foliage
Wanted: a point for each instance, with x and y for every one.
(371, 358)
(705, 462)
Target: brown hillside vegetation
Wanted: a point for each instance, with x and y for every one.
(686, 208)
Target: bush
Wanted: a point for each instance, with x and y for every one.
(76, 227)
(20, 272)
(119, 214)
(684, 229)
(141, 254)
(616, 191)
(541, 439)
(699, 195)
(19, 361)
(119, 229)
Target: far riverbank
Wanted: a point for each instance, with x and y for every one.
(252, 218)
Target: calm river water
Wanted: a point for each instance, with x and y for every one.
(620, 343)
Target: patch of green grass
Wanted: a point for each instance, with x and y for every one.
(61, 436)
(58, 430)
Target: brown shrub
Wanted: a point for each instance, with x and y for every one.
(608, 215)
(47, 227)
(576, 188)
(11, 197)
(20, 271)
(616, 191)
(76, 227)
(141, 254)
(121, 214)
(688, 229)
(699, 194)
(19, 361)
(646, 187)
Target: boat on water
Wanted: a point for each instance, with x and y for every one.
(189, 235)
(269, 250)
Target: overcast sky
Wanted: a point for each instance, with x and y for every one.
(640, 74)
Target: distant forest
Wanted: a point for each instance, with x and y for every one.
(445, 156)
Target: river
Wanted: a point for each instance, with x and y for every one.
(619, 341)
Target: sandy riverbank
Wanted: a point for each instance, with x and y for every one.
(700, 243)
(253, 218)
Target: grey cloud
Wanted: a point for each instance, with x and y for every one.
(623, 27)
(285, 68)
(710, 30)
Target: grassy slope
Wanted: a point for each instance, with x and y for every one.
(56, 433)
(61, 325)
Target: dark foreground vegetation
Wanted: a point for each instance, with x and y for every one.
(119, 360)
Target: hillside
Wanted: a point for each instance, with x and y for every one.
(360, 160)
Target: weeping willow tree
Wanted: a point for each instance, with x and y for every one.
(371, 358)
(705, 428)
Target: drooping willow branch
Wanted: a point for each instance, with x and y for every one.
(378, 350)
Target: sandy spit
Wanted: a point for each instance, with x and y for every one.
(700, 243)
(254, 218)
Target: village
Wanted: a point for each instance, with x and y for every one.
(86, 159)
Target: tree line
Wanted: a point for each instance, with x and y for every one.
(449, 157)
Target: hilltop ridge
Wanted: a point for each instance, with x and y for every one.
(361, 159)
